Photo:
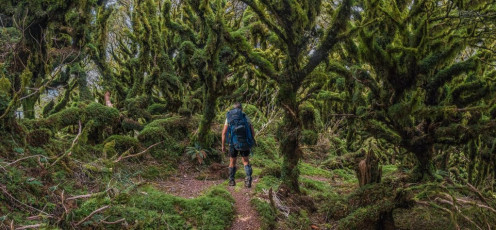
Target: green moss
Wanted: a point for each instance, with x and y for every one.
(157, 109)
(66, 117)
(149, 208)
(5, 86)
(271, 170)
(124, 143)
(175, 126)
(267, 146)
(171, 131)
(137, 107)
(309, 137)
(388, 169)
(310, 116)
(267, 214)
(310, 170)
(185, 112)
(267, 182)
(130, 125)
(365, 217)
(153, 172)
(256, 116)
(102, 115)
(298, 220)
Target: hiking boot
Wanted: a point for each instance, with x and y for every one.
(232, 172)
(248, 172)
(248, 182)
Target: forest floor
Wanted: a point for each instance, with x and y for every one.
(189, 182)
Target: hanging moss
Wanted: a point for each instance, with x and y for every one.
(5, 86)
(310, 116)
(157, 109)
(48, 107)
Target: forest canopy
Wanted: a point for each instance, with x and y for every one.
(368, 114)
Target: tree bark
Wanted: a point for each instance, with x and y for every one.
(289, 133)
(28, 106)
(424, 170)
(209, 105)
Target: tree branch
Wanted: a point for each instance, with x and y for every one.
(122, 157)
(330, 39)
(264, 19)
(92, 214)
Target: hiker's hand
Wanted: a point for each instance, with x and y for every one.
(223, 149)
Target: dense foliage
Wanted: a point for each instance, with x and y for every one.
(396, 98)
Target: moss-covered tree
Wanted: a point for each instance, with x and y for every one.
(292, 24)
(421, 71)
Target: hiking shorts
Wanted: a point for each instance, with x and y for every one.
(234, 153)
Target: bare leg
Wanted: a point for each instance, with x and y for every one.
(246, 161)
(232, 162)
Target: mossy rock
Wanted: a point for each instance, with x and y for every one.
(309, 137)
(66, 117)
(157, 109)
(39, 137)
(124, 143)
(102, 115)
(168, 150)
(151, 135)
(175, 126)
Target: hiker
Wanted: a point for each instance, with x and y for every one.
(240, 137)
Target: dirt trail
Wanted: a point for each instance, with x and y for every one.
(185, 184)
(246, 216)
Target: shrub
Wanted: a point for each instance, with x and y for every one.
(309, 137)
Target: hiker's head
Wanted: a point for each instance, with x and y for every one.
(238, 105)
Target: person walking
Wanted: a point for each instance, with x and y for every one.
(240, 136)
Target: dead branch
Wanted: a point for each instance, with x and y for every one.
(30, 226)
(471, 187)
(24, 158)
(68, 153)
(114, 222)
(122, 157)
(6, 193)
(92, 214)
(278, 203)
(87, 195)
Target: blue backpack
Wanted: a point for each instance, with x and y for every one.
(239, 131)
